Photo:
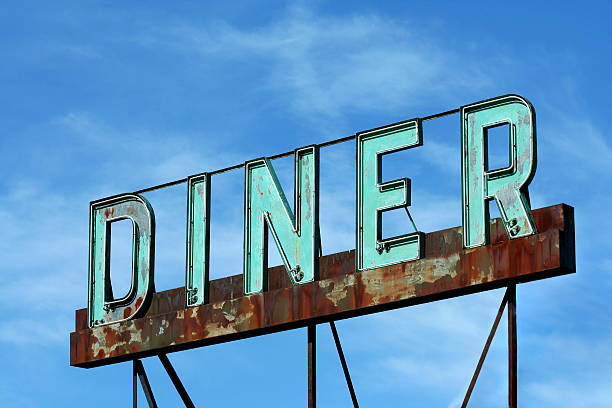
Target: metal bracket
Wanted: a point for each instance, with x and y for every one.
(510, 300)
(297, 273)
(176, 381)
(347, 375)
(139, 371)
(192, 296)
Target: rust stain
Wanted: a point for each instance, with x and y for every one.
(138, 302)
(447, 271)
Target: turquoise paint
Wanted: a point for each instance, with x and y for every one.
(507, 186)
(198, 240)
(266, 208)
(375, 196)
(102, 308)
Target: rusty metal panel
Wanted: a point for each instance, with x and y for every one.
(102, 307)
(507, 186)
(198, 240)
(266, 208)
(375, 196)
(447, 270)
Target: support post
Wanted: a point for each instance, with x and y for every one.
(347, 375)
(312, 366)
(134, 385)
(512, 352)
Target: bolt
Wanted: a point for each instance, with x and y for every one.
(297, 273)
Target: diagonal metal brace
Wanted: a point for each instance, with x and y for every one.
(347, 375)
(138, 370)
(507, 296)
(176, 381)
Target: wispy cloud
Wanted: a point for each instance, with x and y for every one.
(329, 66)
(580, 142)
(45, 233)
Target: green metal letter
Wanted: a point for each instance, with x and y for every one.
(102, 307)
(508, 186)
(374, 197)
(198, 238)
(296, 236)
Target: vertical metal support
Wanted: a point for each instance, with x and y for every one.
(512, 352)
(144, 382)
(134, 385)
(176, 381)
(312, 366)
(347, 375)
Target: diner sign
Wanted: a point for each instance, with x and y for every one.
(295, 232)
(308, 289)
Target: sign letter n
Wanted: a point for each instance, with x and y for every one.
(102, 307)
(266, 209)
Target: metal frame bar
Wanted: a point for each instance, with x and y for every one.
(347, 375)
(512, 351)
(312, 366)
(138, 369)
(510, 300)
(176, 381)
(278, 156)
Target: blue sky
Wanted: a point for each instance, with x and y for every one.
(101, 98)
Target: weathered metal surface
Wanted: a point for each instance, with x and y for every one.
(312, 365)
(375, 196)
(198, 238)
(103, 307)
(266, 207)
(512, 351)
(507, 186)
(447, 270)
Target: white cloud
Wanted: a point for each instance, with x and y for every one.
(44, 240)
(328, 66)
(584, 148)
(24, 332)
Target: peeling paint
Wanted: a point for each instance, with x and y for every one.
(447, 270)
